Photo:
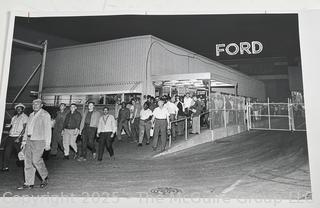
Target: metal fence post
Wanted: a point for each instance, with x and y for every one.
(186, 128)
(170, 136)
(248, 115)
(289, 119)
(269, 119)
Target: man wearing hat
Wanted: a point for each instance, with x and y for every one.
(17, 128)
(36, 139)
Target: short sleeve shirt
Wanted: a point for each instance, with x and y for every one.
(17, 124)
(145, 114)
(159, 113)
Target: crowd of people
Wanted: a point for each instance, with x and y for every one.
(151, 119)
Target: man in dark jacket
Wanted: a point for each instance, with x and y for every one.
(71, 129)
(88, 130)
(123, 119)
(57, 130)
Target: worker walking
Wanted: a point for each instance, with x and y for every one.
(161, 124)
(36, 139)
(107, 129)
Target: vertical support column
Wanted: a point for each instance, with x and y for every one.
(269, 119)
(104, 99)
(43, 63)
(122, 97)
(210, 105)
(224, 112)
(248, 115)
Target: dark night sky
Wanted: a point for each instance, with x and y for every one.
(198, 33)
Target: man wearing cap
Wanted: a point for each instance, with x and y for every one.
(161, 124)
(57, 130)
(17, 128)
(36, 139)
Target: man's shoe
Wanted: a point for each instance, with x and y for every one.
(66, 157)
(112, 158)
(154, 148)
(139, 145)
(75, 156)
(44, 183)
(94, 156)
(25, 187)
(147, 143)
(6, 169)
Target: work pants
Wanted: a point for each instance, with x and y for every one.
(33, 161)
(69, 139)
(135, 128)
(56, 141)
(195, 124)
(88, 140)
(123, 125)
(105, 140)
(173, 125)
(144, 127)
(9, 145)
(160, 127)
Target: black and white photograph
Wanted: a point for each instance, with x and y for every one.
(156, 106)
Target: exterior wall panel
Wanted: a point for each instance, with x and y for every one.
(95, 64)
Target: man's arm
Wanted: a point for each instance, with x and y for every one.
(127, 114)
(99, 126)
(168, 120)
(47, 130)
(82, 121)
(114, 126)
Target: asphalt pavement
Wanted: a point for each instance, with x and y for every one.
(255, 165)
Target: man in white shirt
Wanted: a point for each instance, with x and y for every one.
(145, 124)
(188, 102)
(161, 124)
(17, 128)
(173, 112)
(107, 128)
(36, 139)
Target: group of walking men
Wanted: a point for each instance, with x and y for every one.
(32, 135)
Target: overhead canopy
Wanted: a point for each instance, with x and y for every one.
(110, 88)
(192, 78)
